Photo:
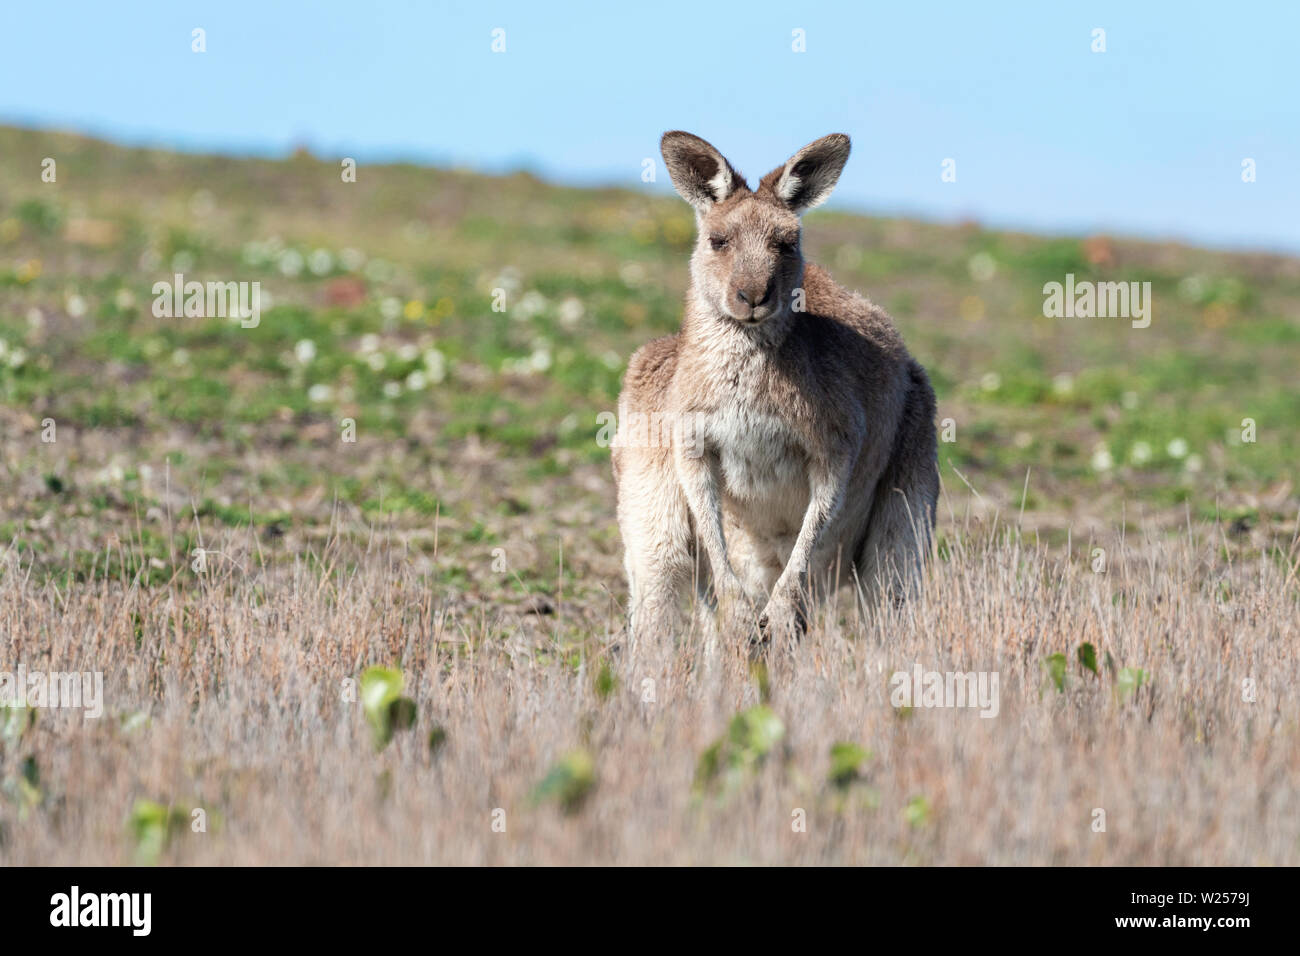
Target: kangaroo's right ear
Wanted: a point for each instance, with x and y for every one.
(700, 173)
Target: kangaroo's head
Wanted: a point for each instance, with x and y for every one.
(748, 261)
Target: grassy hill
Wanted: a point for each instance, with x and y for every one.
(468, 535)
(382, 295)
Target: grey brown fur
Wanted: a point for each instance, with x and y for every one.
(813, 462)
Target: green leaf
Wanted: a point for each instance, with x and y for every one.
(1130, 679)
(846, 762)
(380, 686)
(917, 811)
(750, 737)
(754, 732)
(1055, 665)
(385, 708)
(437, 739)
(17, 721)
(402, 713)
(1088, 657)
(153, 826)
(25, 788)
(606, 682)
(568, 782)
(761, 677)
(135, 720)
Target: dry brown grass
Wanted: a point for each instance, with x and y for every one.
(241, 673)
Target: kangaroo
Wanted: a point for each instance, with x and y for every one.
(801, 448)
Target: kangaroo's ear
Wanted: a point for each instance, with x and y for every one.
(807, 178)
(700, 173)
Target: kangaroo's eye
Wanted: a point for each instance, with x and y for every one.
(718, 242)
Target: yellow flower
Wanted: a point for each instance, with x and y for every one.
(413, 310)
(29, 270)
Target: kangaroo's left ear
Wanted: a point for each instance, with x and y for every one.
(807, 178)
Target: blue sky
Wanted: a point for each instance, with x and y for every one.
(1147, 138)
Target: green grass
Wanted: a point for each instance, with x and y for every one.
(382, 314)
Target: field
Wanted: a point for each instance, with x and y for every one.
(234, 525)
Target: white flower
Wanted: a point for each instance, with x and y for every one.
(416, 381)
(392, 389)
(1193, 463)
(571, 312)
(532, 303)
(376, 361)
(320, 393)
(407, 352)
(991, 381)
(320, 262)
(435, 363)
(76, 306)
(352, 259)
(540, 360)
(1101, 460)
(1177, 448)
(982, 267)
(390, 308)
(113, 474)
(1193, 288)
(1140, 453)
(508, 279)
(1063, 384)
(291, 262)
(305, 351)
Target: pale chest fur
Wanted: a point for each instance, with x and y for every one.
(762, 459)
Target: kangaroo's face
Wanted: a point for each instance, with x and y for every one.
(747, 262)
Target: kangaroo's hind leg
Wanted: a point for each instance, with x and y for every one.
(900, 529)
(654, 521)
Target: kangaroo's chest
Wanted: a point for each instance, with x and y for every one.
(762, 461)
